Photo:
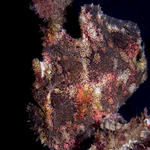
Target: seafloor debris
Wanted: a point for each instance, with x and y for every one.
(80, 83)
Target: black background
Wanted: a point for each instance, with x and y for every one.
(30, 47)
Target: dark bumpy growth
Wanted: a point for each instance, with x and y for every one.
(81, 83)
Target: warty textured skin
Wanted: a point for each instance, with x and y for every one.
(80, 83)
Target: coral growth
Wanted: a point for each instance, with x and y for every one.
(80, 83)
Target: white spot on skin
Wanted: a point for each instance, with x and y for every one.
(72, 90)
(97, 90)
(128, 145)
(147, 122)
(59, 35)
(143, 134)
(91, 31)
(109, 27)
(99, 15)
(42, 69)
(104, 80)
(93, 147)
(144, 77)
(83, 19)
(122, 30)
(110, 125)
(132, 87)
(124, 76)
(84, 37)
(81, 128)
(124, 56)
(142, 63)
(112, 27)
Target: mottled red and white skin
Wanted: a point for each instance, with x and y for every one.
(80, 83)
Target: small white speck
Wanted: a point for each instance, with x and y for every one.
(99, 15)
(122, 30)
(124, 76)
(42, 69)
(82, 17)
(147, 122)
(132, 87)
(128, 145)
(97, 90)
